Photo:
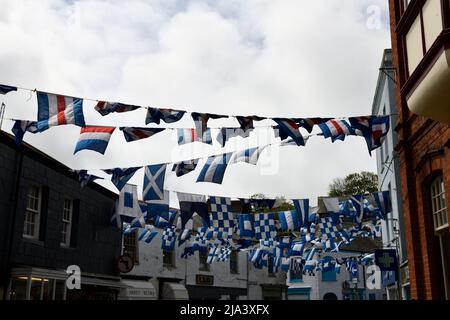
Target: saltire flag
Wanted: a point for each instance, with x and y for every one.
(246, 223)
(264, 226)
(189, 135)
(104, 107)
(358, 205)
(289, 220)
(368, 259)
(120, 176)
(190, 204)
(56, 110)
(168, 239)
(289, 128)
(246, 123)
(373, 128)
(127, 206)
(147, 234)
(383, 201)
(352, 267)
(134, 133)
(329, 245)
(165, 220)
(302, 208)
(159, 207)
(310, 262)
(285, 242)
(336, 129)
(214, 169)
(250, 156)
(226, 134)
(155, 115)
(185, 167)
(21, 127)
(94, 138)
(309, 123)
(4, 89)
(84, 178)
(154, 176)
(328, 264)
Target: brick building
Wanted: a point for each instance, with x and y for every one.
(47, 223)
(420, 31)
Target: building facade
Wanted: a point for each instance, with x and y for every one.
(420, 31)
(388, 167)
(174, 277)
(48, 223)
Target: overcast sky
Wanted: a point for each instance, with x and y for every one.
(284, 58)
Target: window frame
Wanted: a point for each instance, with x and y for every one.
(68, 232)
(35, 212)
(135, 252)
(203, 266)
(171, 255)
(234, 262)
(438, 206)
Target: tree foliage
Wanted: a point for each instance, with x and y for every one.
(355, 183)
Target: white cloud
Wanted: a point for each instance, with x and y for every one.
(271, 58)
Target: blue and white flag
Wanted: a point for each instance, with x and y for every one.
(4, 89)
(127, 207)
(120, 176)
(383, 201)
(155, 115)
(289, 128)
(329, 226)
(21, 127)
(329, 245)
(84, 178)
(331, 204)
(284, 242)
(246, 123)
(224, 254)
(226, 134)
(358, 205)
(289, 220)
(264, 226)
(222, 220)
(147, 234)
(246, 223)
(154, 176)
(285, 263)
(159, 207)
(213, 254)
(186, 233)
(94, 138)
(134, 133)
(297, 248)
(165, 220)
(169, 237)
(104, 107)
(189, 135)
(190, 204)
(302, 208)
(214, 169)
(185, 167)
(56, 110)
(250, 156)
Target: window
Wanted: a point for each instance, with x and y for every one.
(32, 213)
(438, 205)
(203, 258)
(130, 246)
(234, 262)
(168, 259)
(270, 265)
(66, 222)
(329, 276)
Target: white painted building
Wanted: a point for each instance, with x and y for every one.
(173, 277)
(388, 167)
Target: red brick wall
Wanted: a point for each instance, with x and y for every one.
(424, 151)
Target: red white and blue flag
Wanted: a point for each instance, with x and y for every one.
(56, 110)
(289, 128)
(189, 135)
(309, 123)
(94, 138)
(336, 129)
(374, 129)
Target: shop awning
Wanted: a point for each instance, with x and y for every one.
(137, 290)
(174, 291)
